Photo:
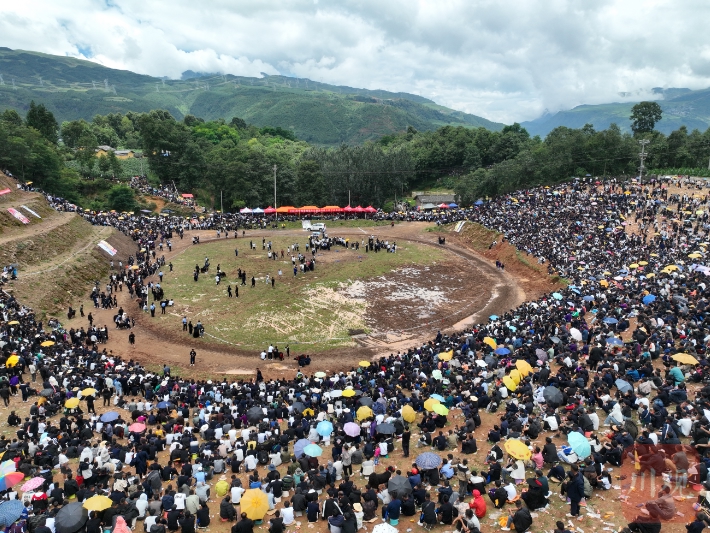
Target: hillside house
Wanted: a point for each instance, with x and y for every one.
(103, 150)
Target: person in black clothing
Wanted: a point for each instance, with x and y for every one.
(408, 508)
(94, 523)
(203, 515)
(446, 511)
(498, 495)
(42, 527)
(440, 442)
(187, 524)
(173, 519)
(406, 436)
(245, 525)
(276, 524)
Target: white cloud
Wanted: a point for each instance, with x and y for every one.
(505, 61)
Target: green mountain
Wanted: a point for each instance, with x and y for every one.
(316, 112)
(680, 107)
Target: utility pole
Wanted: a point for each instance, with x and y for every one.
(221, 206)
(642, 157)
(275, 167)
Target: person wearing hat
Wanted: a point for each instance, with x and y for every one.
(359, 514)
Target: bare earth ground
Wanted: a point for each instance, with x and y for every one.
(469, 287)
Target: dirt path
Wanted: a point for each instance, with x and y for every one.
(155, 345)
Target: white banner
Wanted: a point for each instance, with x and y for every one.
(459, 226)
(30, 211)
(106, 247)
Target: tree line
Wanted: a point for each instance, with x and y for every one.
(237, 162)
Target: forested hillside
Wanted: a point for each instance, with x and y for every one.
(316, 112)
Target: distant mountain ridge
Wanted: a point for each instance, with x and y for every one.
(681, 106)
(316, 112)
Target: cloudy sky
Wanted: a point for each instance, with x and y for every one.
(504, 60)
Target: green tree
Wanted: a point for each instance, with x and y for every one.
(310, 184)
(104, 164)
(86, 151)
(644, 116)
(121, 198)
(114, 164)
(72, 132)
(41, 119)
(10, 116)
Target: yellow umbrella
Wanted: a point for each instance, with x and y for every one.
(508, 382)
(430, 403)
(517, 449)
(440, 409)
(364, 412)
(48, 343)
(446, 356)
(651, 275)
(685, 358)
(524, 367)
(607, 273)
(671, 267)
(348, 393)
(490, 342)
(364, 364)
(88, 392)
(13, 323)
(254, 503)
(408, 414)
(643, 263)
(307, 412)
(71, 403)
(604, 283)
(98, 503)
(633, 265)
(695, 255)
(515, 376)
(135, 267)
(12, 361)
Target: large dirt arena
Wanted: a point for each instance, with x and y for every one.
(403, 307)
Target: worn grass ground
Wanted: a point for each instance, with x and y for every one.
(303, 309)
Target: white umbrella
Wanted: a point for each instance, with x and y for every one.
(575, 334)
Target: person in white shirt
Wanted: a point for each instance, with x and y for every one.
(180, 500)
(287, 514)
(511, 490)
(250, 463)
(236, 494)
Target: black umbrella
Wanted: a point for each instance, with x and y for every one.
(46, 393)
(553, 396)
(255, 415)
(490, 360)
(298, 407)
(399, 485)
(71, 518)
(365, 400)
(385, 429)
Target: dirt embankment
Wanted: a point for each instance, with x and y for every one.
(56, 253)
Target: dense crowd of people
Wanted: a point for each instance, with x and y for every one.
(578, 382)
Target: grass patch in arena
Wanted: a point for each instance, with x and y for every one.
(308, 310)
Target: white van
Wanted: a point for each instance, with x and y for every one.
(317, 227)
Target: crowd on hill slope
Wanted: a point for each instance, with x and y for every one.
(581, 380)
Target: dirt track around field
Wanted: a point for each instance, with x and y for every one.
(405, 309)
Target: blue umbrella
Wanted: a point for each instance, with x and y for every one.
(163, 405)
(10, 511)
(580, 444)
(576, 291)
(649, 298)
(428, 460)
(438, 397)
(588, 298)
(313, 450)
(502, 351)
(324, 428)
(453, 205)
(609, 230)
(513, 328)
(615, 341)
(592, 278)
(478, 202)
(493, 317)
(622, 385)
(556, 295)
(299, 446)
(610, 320)
(109, 416)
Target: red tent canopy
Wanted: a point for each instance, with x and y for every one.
(269, 211)
(359, 209)
(443, 206)
(370, 209)
(187, 196)
(348, 209)
(331, 209)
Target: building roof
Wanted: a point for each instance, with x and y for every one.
(435, 198)
(105, 148)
